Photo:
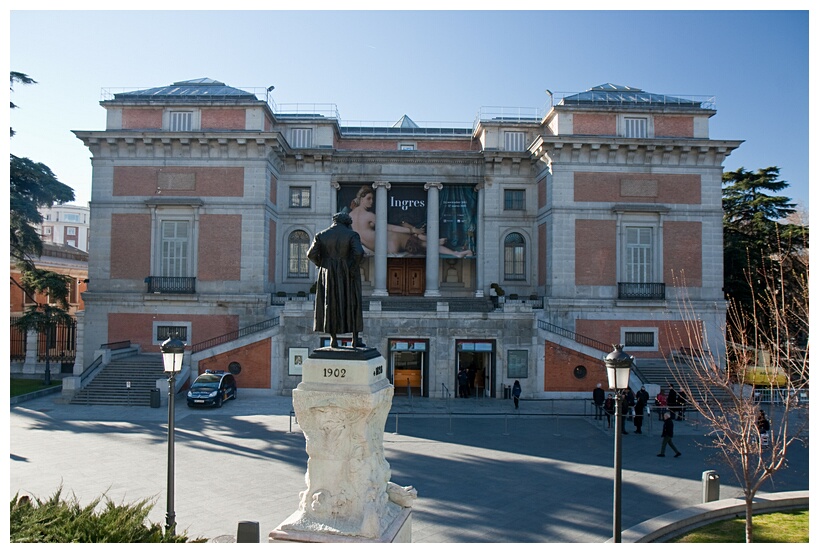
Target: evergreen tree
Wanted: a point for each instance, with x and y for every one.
(758, 239)
(32, 186)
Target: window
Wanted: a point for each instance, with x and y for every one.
(175, 244)
(514, 141)
(71, 231)
(639, 254)
(299, 196)
(180, 121)
(47, 231)
(636, 127)
(302, 138)
(406, 146)
(640, 339)
(71, 217)
(164, 330)
(514, 200)
(514, 257)
(298, 243)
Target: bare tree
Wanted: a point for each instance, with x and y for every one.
(725, 388)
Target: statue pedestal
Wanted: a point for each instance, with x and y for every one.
(342, 405)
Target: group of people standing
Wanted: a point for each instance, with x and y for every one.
(674, 403)
(635, 407)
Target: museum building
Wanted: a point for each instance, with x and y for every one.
(520, 247)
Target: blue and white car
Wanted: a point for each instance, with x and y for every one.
(212, 388)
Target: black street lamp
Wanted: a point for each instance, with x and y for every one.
(618, 366)
(173, 350)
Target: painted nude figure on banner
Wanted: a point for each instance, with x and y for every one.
(337, 252)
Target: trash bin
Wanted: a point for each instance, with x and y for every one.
(247, 532)
(507, 392)
(710, 486)
(155, 398)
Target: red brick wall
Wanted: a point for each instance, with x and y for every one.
(673, 126)
(130, 245)
(541, 258)
(682, 253)
(138, 327)
(670, 334)
(220, 247)
(254, 359)
(595, 253)
(271, 256)
(223, 119)
(559, 364)
(609, 187)
(541, 193)
(209, 181)
(595, 124)
(133, 118)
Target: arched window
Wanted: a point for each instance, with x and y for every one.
(514, 257)
(297, 262)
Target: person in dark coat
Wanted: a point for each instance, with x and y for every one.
(463, 383)
(599, 398)
(337, 252)
(608, 407)
(641, 400)
(516, 389)
(668, 434)
(673, 402)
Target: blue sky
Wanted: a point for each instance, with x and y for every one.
(435, 66)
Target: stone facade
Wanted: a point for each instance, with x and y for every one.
(593, 216)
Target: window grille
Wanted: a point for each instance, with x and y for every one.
(299, 196)
(302, 138)
(298, 266)
(636, 127)
(514, 257)
(514, 141)
(164, 332)
(639, 339)
(181, 121)
(514, 200)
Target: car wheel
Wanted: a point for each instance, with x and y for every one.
(219, 400)
(234, 392)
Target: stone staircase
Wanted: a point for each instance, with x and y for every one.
(109, 386)
(663, 372)
(416, 303)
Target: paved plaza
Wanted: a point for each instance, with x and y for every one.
(484, 472)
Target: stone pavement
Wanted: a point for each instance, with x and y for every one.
(484, 472)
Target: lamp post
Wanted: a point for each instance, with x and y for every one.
(618, 366)
(173, 350)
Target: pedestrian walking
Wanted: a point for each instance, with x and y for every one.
(599, 398)
(516, 392)
(671, 398)
(668, 435)
(764, 427)
(630, 401)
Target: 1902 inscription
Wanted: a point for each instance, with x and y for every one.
(378, 370)
(335, 373)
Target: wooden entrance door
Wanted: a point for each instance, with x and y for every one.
(407, 276)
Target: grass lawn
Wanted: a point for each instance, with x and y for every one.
(786, 527)
(20, 386)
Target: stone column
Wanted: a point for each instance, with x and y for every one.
(334, 197)
(479, 255)
(380, 281)
(433, 234)
(30, 364)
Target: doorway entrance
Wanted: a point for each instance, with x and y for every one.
(408, 367)
(478, 360)
(406, 276)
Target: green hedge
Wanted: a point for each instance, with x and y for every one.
(57, 520)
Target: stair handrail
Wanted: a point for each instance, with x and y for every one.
(236, 334)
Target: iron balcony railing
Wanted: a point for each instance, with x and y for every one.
(171, 285)
(641, 290)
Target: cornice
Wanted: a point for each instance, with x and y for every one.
(136, 145)
(613, 151)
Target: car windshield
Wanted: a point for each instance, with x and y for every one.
(207, 381)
